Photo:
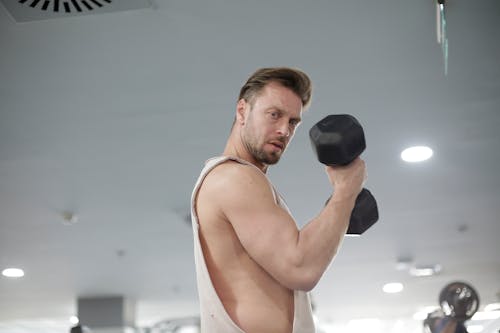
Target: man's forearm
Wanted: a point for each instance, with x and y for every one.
(320, 239)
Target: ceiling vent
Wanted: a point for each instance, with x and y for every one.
(37, 10)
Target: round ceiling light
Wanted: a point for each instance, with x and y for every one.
(13, 272)
(416, 154)
(393, 287)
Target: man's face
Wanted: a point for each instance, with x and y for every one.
(270, 123)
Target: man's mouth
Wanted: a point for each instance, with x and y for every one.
(278, 144)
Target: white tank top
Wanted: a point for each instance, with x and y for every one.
(213, 315)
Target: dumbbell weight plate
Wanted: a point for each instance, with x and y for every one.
(359, 223)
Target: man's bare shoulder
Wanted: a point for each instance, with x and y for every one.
(233, 187)
(231, 177)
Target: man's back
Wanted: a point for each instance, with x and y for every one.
(254, 300)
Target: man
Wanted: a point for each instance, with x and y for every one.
(254, 266)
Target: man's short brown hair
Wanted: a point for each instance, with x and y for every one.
(292, 78)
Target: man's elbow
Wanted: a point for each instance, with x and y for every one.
(307, 285)
(299, 273)
(304, 280)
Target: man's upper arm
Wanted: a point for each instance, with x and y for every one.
(267, 231)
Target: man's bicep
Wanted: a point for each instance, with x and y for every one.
(267, 231)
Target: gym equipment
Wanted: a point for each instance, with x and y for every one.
(338, 140)
(459, 300)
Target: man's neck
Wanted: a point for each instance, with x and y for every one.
(239, 151)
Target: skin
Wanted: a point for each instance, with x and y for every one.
(254, 251)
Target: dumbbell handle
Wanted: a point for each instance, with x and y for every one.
(364, 214)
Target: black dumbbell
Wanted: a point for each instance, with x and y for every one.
(338, 140)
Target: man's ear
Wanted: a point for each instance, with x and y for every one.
(241, 108)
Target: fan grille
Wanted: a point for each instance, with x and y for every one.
(66, 6)
(37, 10)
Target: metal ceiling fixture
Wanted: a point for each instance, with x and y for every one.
(36, 10)
(66, 6)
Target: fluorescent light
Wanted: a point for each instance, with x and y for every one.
(398, 325)
(364, 325)
(420, 271)
(416, 154)
(420, 315)
(392, 287)
(492, 307)
(13, 272)
(486, 315)
(188, 329)
(474, 328)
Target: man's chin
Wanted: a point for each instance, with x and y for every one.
(269, 157)
(272, 159)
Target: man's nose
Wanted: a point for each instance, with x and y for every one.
(284, 130)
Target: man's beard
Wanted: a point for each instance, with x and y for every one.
(261, 156)
(252, 146)
(258, 153)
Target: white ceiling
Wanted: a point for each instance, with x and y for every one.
(112, 115)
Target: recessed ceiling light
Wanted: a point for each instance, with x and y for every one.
(392, 287)
(416, 154)
(421, 271)
(13, 272)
